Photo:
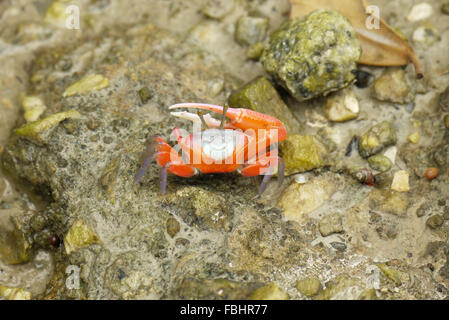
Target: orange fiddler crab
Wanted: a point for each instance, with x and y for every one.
(246, 141)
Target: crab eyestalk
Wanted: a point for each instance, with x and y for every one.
(223, 116)
(203, 122)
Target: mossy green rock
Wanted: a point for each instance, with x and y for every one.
(260, 95)
(313, 55)
(269, 292)
(377, 138)
(309, 286)
(380, 163)
(301, 153)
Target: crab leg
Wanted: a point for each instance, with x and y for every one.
(167, 158)
(146, 158)
(242, 118)
(265, 166)
(163, 179)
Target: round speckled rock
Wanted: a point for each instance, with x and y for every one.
(314, 55)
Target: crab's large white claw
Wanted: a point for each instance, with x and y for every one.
(187, 115)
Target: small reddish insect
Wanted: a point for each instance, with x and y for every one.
(246, 143)
(54, 241)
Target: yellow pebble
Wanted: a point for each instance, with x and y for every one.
(87, 84)
(14, 293)
(414, 138)
(33, 107)
(401, 181)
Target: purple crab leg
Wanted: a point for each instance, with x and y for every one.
(267, 176)
(281, 170)
(143, 169)
(264, 183)
(146, 158)
(163, 179)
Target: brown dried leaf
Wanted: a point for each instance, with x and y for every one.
(380, 47)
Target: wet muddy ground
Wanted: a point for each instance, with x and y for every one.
(323, 235)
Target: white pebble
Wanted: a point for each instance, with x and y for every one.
(301, 178)
(390, 153)
(420, 12)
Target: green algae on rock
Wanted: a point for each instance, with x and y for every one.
(313, 55)
(269, 292)
(260, 95)
(301, 153)
(377, 138)
(87, 84)
(79, 236)
(35, 130)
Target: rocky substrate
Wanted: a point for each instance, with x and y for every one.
(359, 216)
